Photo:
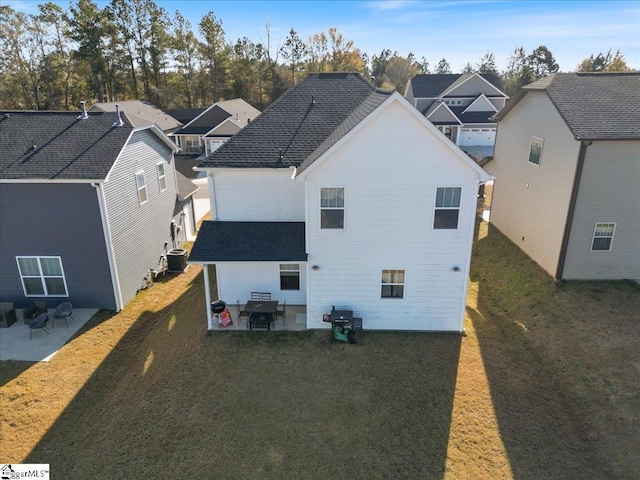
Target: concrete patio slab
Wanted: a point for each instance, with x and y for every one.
(15, 343)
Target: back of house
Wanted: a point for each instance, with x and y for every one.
(341, 195)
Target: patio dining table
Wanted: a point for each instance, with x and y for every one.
(261, 313)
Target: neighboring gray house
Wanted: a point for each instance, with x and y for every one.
(214, 126)
(567, 168)
(140, 113)
(461, 106)
(87, 206)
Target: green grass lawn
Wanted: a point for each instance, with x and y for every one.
(543, 386)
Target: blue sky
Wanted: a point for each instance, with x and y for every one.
(459, 30)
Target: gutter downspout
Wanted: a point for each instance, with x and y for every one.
(117, 294)
(207, 296)
(572, 207)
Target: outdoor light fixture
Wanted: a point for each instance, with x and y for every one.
(315, 267)
(456, 269)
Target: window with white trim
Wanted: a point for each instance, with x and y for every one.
(42, 276)
(289, 276)
(603, 236)
(142, 187)
(392, 284)
(332, 207)
(535, 150)
(162, 179)
(447, 209)
(192, 141)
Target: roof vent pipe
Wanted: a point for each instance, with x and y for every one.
(84, 115)
(373, 79)
(119, 122)
(313, 100)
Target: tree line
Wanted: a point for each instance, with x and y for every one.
(133, 49)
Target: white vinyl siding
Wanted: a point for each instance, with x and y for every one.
(42, 276)
(142, 187)
(259, 195)
(236, 281)
(391, 227)
(162, 178)
(530, 204)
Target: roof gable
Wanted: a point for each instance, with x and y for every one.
(322, 107)
(480, 104)
(395, 98)
(441, 113)
(472, 84)
(595, 106)
(434, 85)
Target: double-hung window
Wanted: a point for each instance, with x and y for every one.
(289, 276)
(603, 236)
(535, 150)
(162, 179)
(332, 207)
(392, 284)
(447, 208)
(42, 276)
(142, 187)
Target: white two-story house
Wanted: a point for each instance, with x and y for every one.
(342, 195)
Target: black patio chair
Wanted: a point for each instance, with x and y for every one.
(63, 311)
(241, 312)
(39, 323)
(282, 313)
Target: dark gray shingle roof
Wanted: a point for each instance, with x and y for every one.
(431, 85)
(65, 147)
(249, 242)
(593, 105)
(473, 117)
(185, 115)
(598, 106)
(297, 127)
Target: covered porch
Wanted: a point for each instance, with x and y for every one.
(254, 257)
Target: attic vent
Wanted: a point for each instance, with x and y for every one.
(119, 122)
(84, 115)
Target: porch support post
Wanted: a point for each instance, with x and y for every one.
(207, 296)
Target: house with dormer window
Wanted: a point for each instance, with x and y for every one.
(460, 106)
(342, 195)
(205, 133)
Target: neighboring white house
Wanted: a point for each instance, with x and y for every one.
(342, 195)
(567, 169)
(461, 106)
(210, 129)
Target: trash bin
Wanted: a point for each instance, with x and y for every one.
(177, 260)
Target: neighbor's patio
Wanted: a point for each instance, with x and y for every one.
(15, 343)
